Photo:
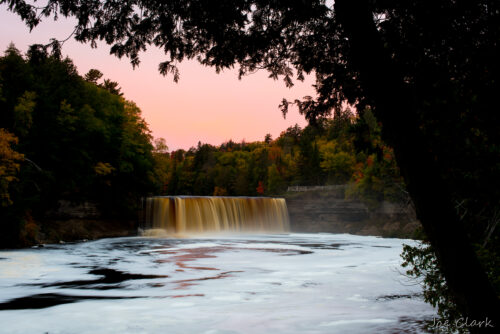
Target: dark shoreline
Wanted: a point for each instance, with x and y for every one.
(76, 230)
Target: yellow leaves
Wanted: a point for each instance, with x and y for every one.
(160, 146)
(338, 162)
(334, 160)
(6, 140)
(131, 109)
(475, 131)
(326, 148)
(9, 165)
(275, 153)
(103, 168)
(241, 164)
(219, 191)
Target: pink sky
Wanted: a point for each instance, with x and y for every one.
(203, 106)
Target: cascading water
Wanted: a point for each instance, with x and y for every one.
(183, 214)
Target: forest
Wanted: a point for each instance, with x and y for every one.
(66, 137)
(344, 149)
(76, 138)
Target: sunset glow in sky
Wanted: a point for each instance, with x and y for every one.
(203, 106)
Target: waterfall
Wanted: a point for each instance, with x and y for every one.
(183, 214)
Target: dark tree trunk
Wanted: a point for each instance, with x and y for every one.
(473, 293)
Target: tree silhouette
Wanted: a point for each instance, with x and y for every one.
(93, 75)
(112, 87)
(428, 71)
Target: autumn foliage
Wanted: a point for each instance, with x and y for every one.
(343, 150)
(65, 138)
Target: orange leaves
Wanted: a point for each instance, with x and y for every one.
(260, 188)
(9, 165)
(220, 191)
(369, 161)
(358, 172)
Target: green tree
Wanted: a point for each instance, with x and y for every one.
(162, 166)
(308, 162)
(275, 182)
(242, 179)
(23, 118)
(112, 87)
(338, 164)
(268, 138)
(93, 75)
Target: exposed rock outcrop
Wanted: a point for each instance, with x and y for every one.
(328, 211)
(80, 221)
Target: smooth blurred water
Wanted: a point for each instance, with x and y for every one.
(295, 283)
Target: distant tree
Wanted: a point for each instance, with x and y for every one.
(260, 188)
(242, 166)
(112, 87)
(337, 163)
(219, 191)
(275, 182)
(162, 166)
(160, 146)
(23, 118)
(241, 182)
(93, 75)
(268, 138)
(309, 158)
(186, 177)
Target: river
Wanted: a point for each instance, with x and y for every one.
(282, 283)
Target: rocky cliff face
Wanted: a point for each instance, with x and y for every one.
(329, 211)
(80, 221)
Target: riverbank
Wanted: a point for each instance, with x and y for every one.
(310, 210)
(57, 231)
(82, 221)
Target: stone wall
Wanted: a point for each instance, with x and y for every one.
(328, 211)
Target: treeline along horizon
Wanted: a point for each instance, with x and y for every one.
(345, 149)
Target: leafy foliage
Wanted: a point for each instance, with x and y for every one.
(424, 269)
(325, 154)
(74, 140)
(9, 165)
